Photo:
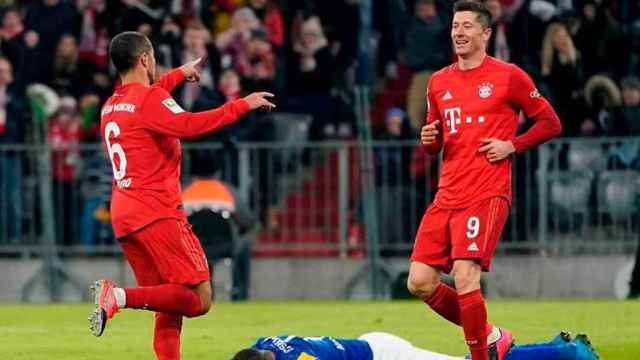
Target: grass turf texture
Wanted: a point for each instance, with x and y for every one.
(61, 332)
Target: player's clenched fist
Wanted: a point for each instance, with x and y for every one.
(429, 133)
(258, 100)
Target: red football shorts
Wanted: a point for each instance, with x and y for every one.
(446, 235)
(166, 251)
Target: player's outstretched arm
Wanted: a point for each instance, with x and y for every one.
(258, 100)
(187, 72)
(160, 113)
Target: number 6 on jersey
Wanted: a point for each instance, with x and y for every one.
(112, 129)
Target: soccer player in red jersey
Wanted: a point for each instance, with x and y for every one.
(473, 111)
(142, 127)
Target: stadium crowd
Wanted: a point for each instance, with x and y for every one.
(584, 56)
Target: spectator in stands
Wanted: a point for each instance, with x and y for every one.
(599, 35)
(395, 194)
(217, 16)
(19, 47)
(187, 11)
(508, 41)
(271, 17)
(309, 81)
(603, 116)
(137, 13)
(264, 71)
(393, 161)
(230, 88)
(631, 105)
(168, 44)
(12, 124)
(389, 17)
(97, 177)
(562, 74)
(64, 137)
(196, 43)
(233, 42)
(95, 31)
(69, 75)
(428, 48)
(51, 19)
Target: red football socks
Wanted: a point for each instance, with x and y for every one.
(473, 314)
(444, 301)
(169, 298)
(166, 336)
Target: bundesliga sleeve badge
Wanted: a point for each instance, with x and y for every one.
(172, 105)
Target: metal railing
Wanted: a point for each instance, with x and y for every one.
(570, 196)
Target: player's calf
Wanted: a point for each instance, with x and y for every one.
(466, 275)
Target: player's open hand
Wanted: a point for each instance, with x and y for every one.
(258, 100)
(429, 133)
(496, 150)
(190, 70)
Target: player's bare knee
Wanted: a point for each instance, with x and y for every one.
(206, 305)
(422, 286)
(205, 292)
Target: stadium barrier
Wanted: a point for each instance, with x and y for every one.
(570, 196)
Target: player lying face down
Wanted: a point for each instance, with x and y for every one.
(383, 346)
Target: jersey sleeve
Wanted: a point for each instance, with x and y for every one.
(525, 96)
(523, 93)
(170, 80)
(161, 113)
(433, 114)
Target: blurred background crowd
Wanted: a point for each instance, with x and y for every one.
(584, 55)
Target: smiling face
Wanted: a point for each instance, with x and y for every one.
(468, 35)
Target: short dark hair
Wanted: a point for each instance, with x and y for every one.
(484, 16)
(125, 49)
(250, 354)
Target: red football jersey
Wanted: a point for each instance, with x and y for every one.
(484, 102)
(141, 126)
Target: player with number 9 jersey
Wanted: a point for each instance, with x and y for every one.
(474, 107)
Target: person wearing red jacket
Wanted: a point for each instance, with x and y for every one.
(473, 109)
(142, 126)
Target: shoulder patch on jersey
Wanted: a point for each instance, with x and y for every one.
(172, 105)
(534, 94)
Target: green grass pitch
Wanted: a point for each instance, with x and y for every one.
(60, 331)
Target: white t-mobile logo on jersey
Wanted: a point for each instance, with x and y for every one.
(453, 119)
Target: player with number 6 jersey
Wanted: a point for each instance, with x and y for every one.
(474, 107)
(142, 126)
